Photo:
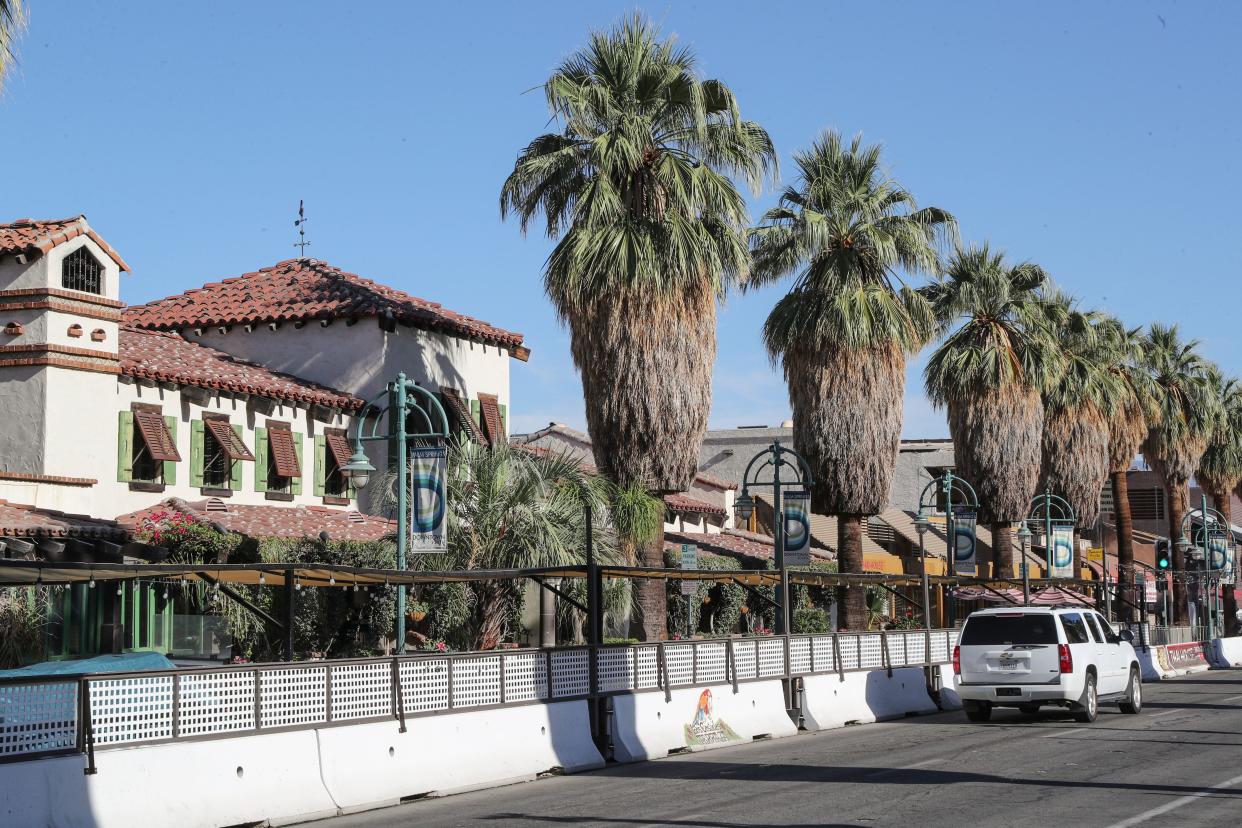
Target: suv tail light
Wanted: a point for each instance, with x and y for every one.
(957, 661)
(1067, 660)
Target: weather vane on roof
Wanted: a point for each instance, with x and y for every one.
(301, 225)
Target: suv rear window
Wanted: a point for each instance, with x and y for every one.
(1019, 628)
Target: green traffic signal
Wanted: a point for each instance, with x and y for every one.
(1162, 555)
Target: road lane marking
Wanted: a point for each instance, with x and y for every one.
(1138, 819)
(1057, 733)
(1167, 712)
(924, 763)
(1232, 698)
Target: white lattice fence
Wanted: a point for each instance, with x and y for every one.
(293, 696)
(424, 684)
(745, 659)
(571, 673)
(615, 668)
(135, 709)
(215, 702)
(711, 657)
(361, 691)
(526, 676)
(821, 649)
(476, 681)
(679, 660)
(36, 718)
(799, 656)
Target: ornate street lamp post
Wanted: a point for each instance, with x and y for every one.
(1024, 538)
(1212, 524)
(954, 489)
(775, 456)
(406, 400)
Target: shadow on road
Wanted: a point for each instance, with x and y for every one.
(863, 775)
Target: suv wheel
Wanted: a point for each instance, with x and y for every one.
(1134, 694)
(1089, 704)
(977, 711)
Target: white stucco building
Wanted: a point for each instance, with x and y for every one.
(105, 409)
(238, 397)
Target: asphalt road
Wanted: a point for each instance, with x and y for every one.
(1178, 763)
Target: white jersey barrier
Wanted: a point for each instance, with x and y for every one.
(1227, 652)
(190, 785)
(649, 726)
(858, 698)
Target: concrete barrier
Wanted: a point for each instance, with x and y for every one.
(191, 784)
(645, 726)
(829, 702)
(1154, 663)
(373, 765)
(949, 698)
(1227, 652)
(1187, 658)
(300, 775)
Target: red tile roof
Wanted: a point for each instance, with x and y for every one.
(714, 482)
(272, 521)
(40, 236)
(303, 289)
(20, 520)
(167, 357)
(730, 542)
(690, 505)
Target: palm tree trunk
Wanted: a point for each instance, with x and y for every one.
(852, 599)
(1229, 606)
(652, 593)
(1002, 549)
(1178, 507)
(1125, 540)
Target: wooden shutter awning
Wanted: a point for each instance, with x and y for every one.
(155, 433)
(232, 445)
(455, 403)
(339, 446)
(284, 455)
(490, 405)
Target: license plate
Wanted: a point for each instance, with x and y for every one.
(1010, 665)
(1008, 691)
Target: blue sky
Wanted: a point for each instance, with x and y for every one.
(1102, 140)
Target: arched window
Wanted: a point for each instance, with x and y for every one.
(81, 271)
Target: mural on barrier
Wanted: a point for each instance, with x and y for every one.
(705, 729)
(1182, 656)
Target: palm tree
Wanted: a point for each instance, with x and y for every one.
(845, 231)
(650, 232)
(12, 20)
(1220, 467)
(510, 509)
(989, 372)
(1078, 408)
(1177, 437)
(1127, 428)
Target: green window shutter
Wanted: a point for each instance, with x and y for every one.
(260, 459)
(125, 447)
(235, 478)
(295, 485)
(321, 446)
(170, 466)
(196, 454)
(504, 420)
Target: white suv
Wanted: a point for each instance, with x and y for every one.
(1026, 657)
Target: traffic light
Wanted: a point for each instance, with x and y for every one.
(1163, 561)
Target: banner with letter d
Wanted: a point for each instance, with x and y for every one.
(964, 545)
(1061, 551)
(427, 500)
(797, 509)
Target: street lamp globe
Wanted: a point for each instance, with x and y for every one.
(358, 470)
(744, 507)
(1183, 544)
(921, 523)
(1024, 533)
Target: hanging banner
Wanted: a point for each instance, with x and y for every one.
(964, 545)
(427, 500)
(1061, 557)
(1231, 571)
(1218, 551)
(797, 509)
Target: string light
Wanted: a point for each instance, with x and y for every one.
(332, 580)
(262, 579)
